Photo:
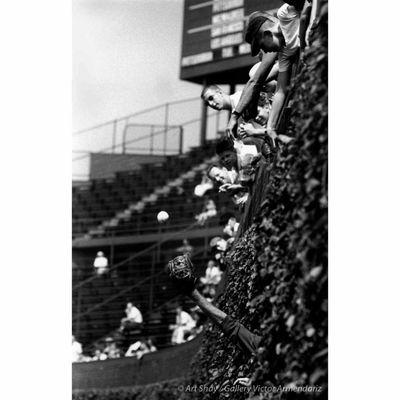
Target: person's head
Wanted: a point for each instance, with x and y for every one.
(216, 98)
(100, 254)
(263, 33)
(227, 154)
(217, 174)
(178, 309)
(214, 241)
(129, 305)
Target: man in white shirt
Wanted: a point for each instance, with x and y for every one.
(133, 317)
(76, 350)
(133, 314)
(184, 324)
(100, 263)
(218, 100)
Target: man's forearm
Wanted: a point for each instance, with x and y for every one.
(304, 22)
(211, 311)
(273, 75)
(258, 132)
(250, 91)
(277, 104)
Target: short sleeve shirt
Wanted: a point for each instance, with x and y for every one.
(186, 320)
(289, 22)
(235, 97)
(135, 315)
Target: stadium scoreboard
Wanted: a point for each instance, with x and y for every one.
(213, 46)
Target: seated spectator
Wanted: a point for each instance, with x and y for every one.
(100, 263)
(99, 355)
(76, 350)
(209, 210)
(231, 227)
(218, 243)
(219, 247)
(150, 345)
(133, 317)
(211, 279)
(212, 275)
(140, 348)
(184, 324)
(136, 349)
(111, 350)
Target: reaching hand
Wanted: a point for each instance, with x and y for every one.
(285, 139)
(272, 135)
(261, 119)
(231, 126)
(229, 187)
(246, 129)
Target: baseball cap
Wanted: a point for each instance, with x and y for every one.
(256, 19)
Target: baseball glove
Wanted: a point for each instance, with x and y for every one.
(181, 272)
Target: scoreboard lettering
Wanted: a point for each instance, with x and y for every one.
(221, 5)
(213, 33)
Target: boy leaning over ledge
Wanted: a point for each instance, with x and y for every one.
(272, 35)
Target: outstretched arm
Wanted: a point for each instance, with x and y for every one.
(304, 22)
(273, 75)
(211, 311)
(247, 341)
(252, 89)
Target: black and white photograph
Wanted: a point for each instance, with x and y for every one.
(199, 199)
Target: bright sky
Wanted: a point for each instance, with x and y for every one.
(126, 57)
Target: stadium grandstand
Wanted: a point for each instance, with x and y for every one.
(159, 160)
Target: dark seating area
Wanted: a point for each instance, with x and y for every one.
(99, 304)
(99, 301)
(101, 200)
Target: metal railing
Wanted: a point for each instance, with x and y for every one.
(136, 255)
(165, 129)
(150, 280)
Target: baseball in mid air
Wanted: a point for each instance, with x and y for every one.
(162, 217)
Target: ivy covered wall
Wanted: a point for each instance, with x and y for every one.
(277, 285)
(278, 280)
